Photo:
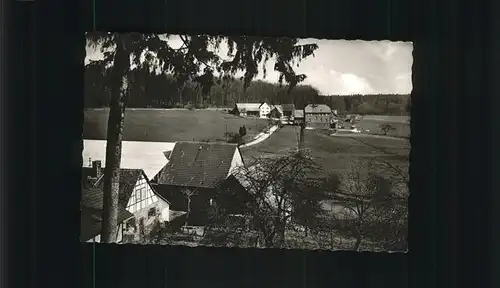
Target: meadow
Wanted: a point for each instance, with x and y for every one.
(170, 125)
(370, 124)
(334, 154)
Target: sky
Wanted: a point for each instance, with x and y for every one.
(341, 67)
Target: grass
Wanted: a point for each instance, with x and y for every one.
(372, 123)
(165, 125)
(334, 154)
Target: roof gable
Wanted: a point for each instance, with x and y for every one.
(128, 180)
(288, 107)
(248, 106)
(197, 164)
(298, 113)
(317, 108)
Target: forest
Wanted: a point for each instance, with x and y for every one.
(150, 90)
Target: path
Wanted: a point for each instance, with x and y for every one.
(261, 137)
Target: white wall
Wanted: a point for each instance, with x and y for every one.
(165, 214)
(143, 199)
(236, 162)
(147, 156)
(264, 110)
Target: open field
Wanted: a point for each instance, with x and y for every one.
(170, 125)
(334, 153)
(372, 123)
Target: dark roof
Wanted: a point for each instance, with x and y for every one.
(299, 114)
(288, 107)
(317, 108)
(167, 154)
(128, 179)
(92, 200)
(249, 106)
(197, 164)
(91, 219)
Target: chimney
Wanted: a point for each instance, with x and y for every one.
(96, 165)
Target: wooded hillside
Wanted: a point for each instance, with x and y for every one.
(161, 91)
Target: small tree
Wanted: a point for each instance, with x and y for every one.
(377, 207)
(243, 131)
(386, 128)
(281, 192)
(188, 193)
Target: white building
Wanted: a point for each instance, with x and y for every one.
(265, 109)
(139, 204)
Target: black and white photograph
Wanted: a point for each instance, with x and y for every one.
(243, 141)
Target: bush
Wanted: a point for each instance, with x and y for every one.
(243, 131)
(189, 106)
(234, 138)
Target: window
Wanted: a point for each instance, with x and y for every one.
(152, 212)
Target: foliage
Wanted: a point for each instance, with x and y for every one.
(243, 131)
(376, 208)
(195, 60)
(386, 128)
(161, 91)
(281, 192)
(234, 138)
(364, 109)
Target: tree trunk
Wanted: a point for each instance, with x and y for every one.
(188, 210)
(111, 189)
(358, 242)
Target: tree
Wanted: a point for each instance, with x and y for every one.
(193, 60)
(386, 128)
(364, 108)
(188, 193)
(376, 207)
(243, 131)
(282, 193)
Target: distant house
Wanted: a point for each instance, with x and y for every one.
(298, 116)
(283, 112)
(288, 112)
(136, 196)
(265, 109)
(276, 112)
(247, 109)
(198, 169)
(318, 115)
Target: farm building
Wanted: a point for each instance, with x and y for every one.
(298, 116)
(276, 112)
(194, 175)
(288, 112)
(246, 109)
(136, 197)
(252, 109)
(91, 217)
(283, 112)
(318, 115)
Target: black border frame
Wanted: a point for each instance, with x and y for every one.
(450, 231)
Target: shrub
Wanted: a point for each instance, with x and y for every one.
(243, 131)
(234, 138)
(189, 106)
(386, 128)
